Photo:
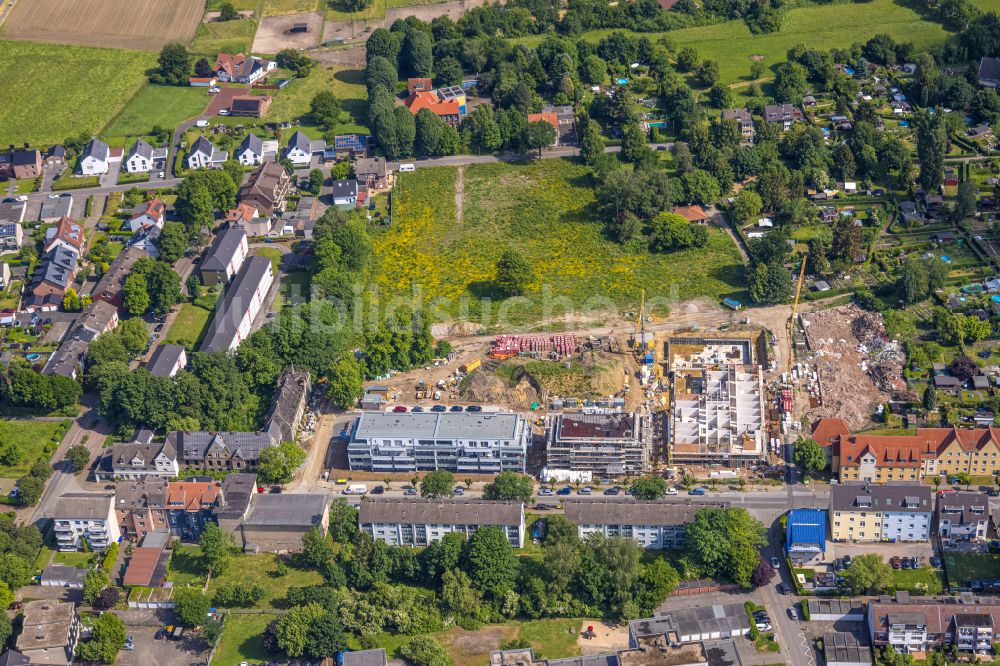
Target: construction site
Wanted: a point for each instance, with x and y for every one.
(850, 366)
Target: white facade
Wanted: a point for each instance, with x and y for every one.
(647, 536)
(89, 518)
(298, 157)
(91, 166)
(398, 534)
(247, 157)
(906, 526)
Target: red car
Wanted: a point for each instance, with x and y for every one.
(399, 408)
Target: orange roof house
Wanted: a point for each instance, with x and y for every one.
(68, 233)
(550, 117)
(242, 214)
(428, 100)
(828, 431)
(192, 495)
(694, 213)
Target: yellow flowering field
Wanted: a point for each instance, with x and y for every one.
(546, 210)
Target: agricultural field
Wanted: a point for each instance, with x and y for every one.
(35, 439)
(819, 26)
(84, 89)
(166, 106)
(545, 209)
(136, 24)
(226, 36)
(283, 7)
(292, 102)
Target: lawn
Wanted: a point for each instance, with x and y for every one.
(82, 88)
(292, 101)
(544, 209)
(242, 640)
(963, 567)
(190, 322)
(272, 253)
(294, 290)
(926, 580)
(282, 7)
(819, 26)
(70, 181)
(36, 439)
(374, 11)
(166, 106)
(73, 559)
(224, 36)
(553, 639)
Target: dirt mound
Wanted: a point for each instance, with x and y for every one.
(458, 329)
(486, 387)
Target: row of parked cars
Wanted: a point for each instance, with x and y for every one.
(401, 409)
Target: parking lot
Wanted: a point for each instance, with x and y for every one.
(149, 651)
(922, 551)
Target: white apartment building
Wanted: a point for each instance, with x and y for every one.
(419, 522)
(473, 442)
(244, 299)
(86, 517)
(652, 524)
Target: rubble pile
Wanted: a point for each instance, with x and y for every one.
(858, 365)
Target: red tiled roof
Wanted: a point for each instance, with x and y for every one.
(191, 495)
(71, 231)
(141, 567)
(415, 83)
(155, 208)
(910, 450)
(243, 213)
(691, 213)
(230, 63)
(428, 100)
(551, 117)
(829, 431)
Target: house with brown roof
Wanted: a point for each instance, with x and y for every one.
(190, 505)
(694, 214)
(928, 452)
(914, 625)
(267, 188)
(372, 172)
(140, 506)
(147, 215)
(68, 233)
(419, 84)
(549, 117)
(449, 104)
(23, 163)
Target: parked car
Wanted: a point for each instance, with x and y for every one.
(473, 408)
(671, 490)
(399, 409)
(546, 492)
(907, 564)
(417, 409)
(936, 562)
(224, 112)
(439, 408)
(895, 562)
(457, 408)
(458, 491)
(410, 492)
(696, 491)
(129, 643)
(586, 490)
(612, 491)
(543, 507)
(378, 490)
(775, 562)
(564, 491)
(215, 89)
(915, 563)
(793, 612)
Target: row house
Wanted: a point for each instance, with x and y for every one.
(420, 522)
(968, 623)
(963, 516)
(652, 524)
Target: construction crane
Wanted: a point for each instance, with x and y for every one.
(641, 346)
(795, 310)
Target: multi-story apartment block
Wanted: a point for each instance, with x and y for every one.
(611, 444)
(928, 452)
(650, 524)
(49, 633)
(968, 623)
(472, 442)
(963, 516)
(418, 522)
(868, 512)
(86, 517)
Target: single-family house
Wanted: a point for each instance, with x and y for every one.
(149, 214)
(449, 104)
(55, 155)
(373, 172)
(694, 213)
(95, 158)
(350, 145)
(549, 117)
(298, 150)
(783, 114)
(419, 84)
(11, 236)
(204, 155)
(345, 193)
(67, 233)
(241, 68)
(251, 150)
(147, 240)
(245, 216)
(24, 163)
(143, 158)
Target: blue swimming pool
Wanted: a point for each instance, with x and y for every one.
(904, 123)
(621, 81)
(995, 299)
(657, 123)
(945, 258)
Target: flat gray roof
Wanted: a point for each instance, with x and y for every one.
(374, 657)
(694, 620)
(440, 512)
(634, 512)
(61, 572)
(83, 506)
(292, 510)
(841, 647)
(448, 425)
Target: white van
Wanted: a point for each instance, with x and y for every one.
(407, 167)
(356, 489)
(202, 123)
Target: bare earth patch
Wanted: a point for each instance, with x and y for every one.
(137, 24)
(607, 639)
(273, 33)
(756, 58)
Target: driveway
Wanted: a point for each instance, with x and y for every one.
(111, 177)
(923, 551)
(162, 652)
(224, 99)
